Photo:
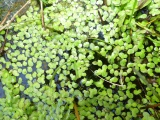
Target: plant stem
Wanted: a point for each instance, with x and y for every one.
(42, 14)
(76, 111)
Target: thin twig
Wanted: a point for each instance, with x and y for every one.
(6, 25)
(121, 79)
(153, 106)
(76, 111)
(5, 18)
(153, 20)
(108, 81)
(105, 2)
(42, 14)
(153, 32)
(100, 16)
(141, 86)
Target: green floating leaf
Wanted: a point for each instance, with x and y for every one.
(15, 73)
(89, 82)
(150, 72)
(123, 62)
(132, 78)
(151, 65)
(114, 79)
(157, 69)
(99, 83)
(4, 73)
(130, 51)
(134, 112)
(129, 94)
(109, 92)
(136, 92)
(146, 116)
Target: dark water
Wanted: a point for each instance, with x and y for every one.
(2, 94)
(11, 5)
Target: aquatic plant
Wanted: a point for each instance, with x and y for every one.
(95, 59)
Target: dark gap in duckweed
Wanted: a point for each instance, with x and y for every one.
(56, 78)
(58, 87)
(2, 92)
(45, 78)
(5, 57)
(144, 10)
(100, 35)
(100, 57)
(2, 51)
(60, 56)
(23, 95)
(80, 85)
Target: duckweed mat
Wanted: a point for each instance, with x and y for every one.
(81, 60)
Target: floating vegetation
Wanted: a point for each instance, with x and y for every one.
(81, 59)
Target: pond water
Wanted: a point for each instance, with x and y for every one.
(11, 5)
(2, 94)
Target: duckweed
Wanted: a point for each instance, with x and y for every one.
(90, 54)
